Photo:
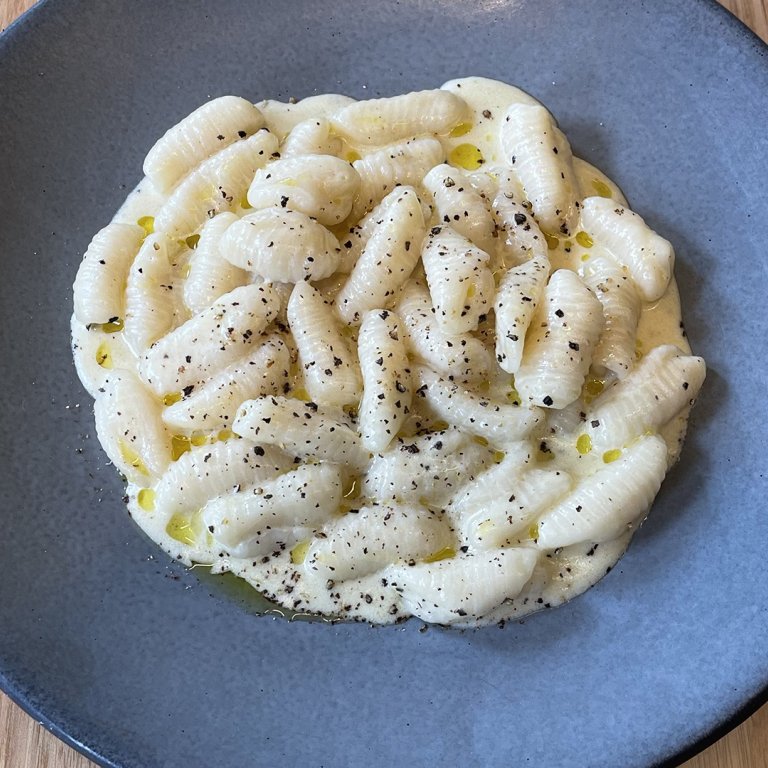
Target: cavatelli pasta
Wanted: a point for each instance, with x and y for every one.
(321, 186)
(387, 385)
(218, 184)
(100, 280)
(210, 275)
(302, 429)
(373, 537)
(460, 283)
(380, 121)
(208, 130)
(462, 357)
(617, 292)
(661, 385)
(328, 365)
(558, 349)
(311, 137)
(129, 428)
(212, 405)
(305, 497)
(281, 245)
(498, 423)
(460, 205)
(400, 164)
(649, 257)
(389, 255)
(605, 503)
(540, 155)
(208, 342)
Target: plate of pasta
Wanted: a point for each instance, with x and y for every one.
(378, 371)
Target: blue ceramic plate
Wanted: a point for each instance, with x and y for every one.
(138, 662)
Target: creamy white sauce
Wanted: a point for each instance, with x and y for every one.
(560, 575)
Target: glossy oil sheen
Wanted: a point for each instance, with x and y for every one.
(144, 663)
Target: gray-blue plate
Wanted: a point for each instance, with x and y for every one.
(138, 662)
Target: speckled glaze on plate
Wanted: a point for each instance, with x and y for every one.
(138, 662)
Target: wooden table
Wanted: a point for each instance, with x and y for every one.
(26, 744)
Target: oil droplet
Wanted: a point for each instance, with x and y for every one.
(301, 394)
(146, 499)
(299, 552)
(180, 529)
(192, 241)
(180, 444)
(611, 455)
(103, 355)
(132, 457)
(147, 223)
(592, 388)
(584, 240)
(352, 156)
(584, 444)
(533, 531)
(442, 554)
(224, 435)
(498, 456)
(244, 204)
(466, 156)
(585, 257)
(171, 398)
(471, 291)
(601, 188)
(480, 440)
(351, 410)
(552, 241)
(198, 439)
(439, 426)
(462, 129)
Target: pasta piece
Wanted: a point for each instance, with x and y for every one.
(498, 423)
(129, 428)
(378, 121)
(207, 471)
(617, 292)
(209, 129)
(558, 350)
(210, 274)
(200, 348)
(281, 245)
(331, 373)
(426, 469)
(101, 277)
(463, 588)
(614, 497)
(371, 538)
(460, 283)
(649, 258)
(400, 164)
(663, 383)
(305, 497)
(505, 499)
(311, 137)
(456, 356)
(150, 302)
(517, 298)
(282, 118)
(460, 205)
(522, 237)
(387, 391)
(216, 185)
(321, 186)
(541, 157)
(389, 256)
(302, 429)
(265, 371)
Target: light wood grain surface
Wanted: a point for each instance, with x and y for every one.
(26, 744)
